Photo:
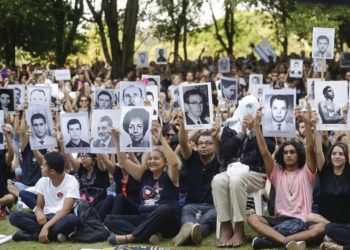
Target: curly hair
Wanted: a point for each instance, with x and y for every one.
(299, 147)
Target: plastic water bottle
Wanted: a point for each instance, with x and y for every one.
(198, 215)
(19, 205)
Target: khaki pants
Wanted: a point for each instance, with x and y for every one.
(230, 194)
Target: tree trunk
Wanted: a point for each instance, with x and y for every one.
(184, 42)
(10, 52)
(59, 16)
(177, 42)
(285, 34)
(129, 33)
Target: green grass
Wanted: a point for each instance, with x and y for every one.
(6, 228)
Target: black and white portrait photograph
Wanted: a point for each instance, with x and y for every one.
(229, 89)
(135, 126)
(75, 132)
(175, 96)
(310, 85)
(255, 79)
(132, 93)
(40, 126)
(152, 97)
(142, 59)
(278, 109)
(1, 132)
(7, 102)
(104, 98)
(54, 89)
(345, 60)
(258, 90)
(39, 96)
(197, 105)
(296, 68)
(151, 80)
(330, 98)
(62, 74)
(19, 95)
(224, 65)
(161, 55)
(102, 123)
(318, 65)
(323, 43)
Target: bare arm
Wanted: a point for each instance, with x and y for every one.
(75, 164)
(135, 170)
(268, 160)
(173, 164)
(320, 160)
(24, 138)
(310, 144)
(10, 152)
(185, 149)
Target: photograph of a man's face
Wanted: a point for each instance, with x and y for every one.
(278, 111)
(142, 59)
(39, 96)
(255, 79)
(296, 68)
(229, 89)
(161, 56)
(323, 43)
(224, 64)
(133, 94)
(75, 131)
(196, 104)
(104, 98)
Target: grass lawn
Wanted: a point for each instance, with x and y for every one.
(6, 228)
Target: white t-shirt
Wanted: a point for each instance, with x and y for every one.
(54, 196)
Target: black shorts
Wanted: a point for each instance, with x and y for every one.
(274, 221)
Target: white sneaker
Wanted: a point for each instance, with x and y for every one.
(196, 234)
(61, 238)
(291, 245)
(183, 235)
(301, 245)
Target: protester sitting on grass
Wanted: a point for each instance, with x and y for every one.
(52, 218)
(293, 176)
(158, 210)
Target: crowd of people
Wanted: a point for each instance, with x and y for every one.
(182, 189)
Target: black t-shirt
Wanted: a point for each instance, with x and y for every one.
(5, 174)
(98, 179)
(155, 192)
(132, 187)
(31, 171)
(335, 195)
(199, 177)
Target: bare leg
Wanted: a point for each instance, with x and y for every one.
(226, 232)
(262, 227)
(12, 189)
(7, 200)
(238, 237)
(313, 233)
(316, 218)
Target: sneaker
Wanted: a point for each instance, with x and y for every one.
(263, 243)
(22, 236)
(155, 239)
(184, 234)
(61, 238)
(301, 245)
(329, 246)
(326, 238)
(291, 245)
(196, 234)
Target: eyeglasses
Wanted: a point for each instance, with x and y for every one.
(205, 143)
(83, 100)
(169, 135)
(195, 103)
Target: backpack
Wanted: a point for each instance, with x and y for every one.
(90, 228)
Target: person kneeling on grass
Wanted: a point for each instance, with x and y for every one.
(294, 181)
(52, 219)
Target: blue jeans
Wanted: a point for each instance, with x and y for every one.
(28, 198)
(207, 219)
(27, 222)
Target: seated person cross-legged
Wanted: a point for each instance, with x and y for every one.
(293, 176)
(159, 196)
(52, 218)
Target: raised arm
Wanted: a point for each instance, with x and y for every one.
(24, 138)
(75, 163)
(10, 151)
(310, 144)
(185, 149)
(266, 155)
(135, 170)
(320, 160)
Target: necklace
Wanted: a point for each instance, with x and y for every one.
(289, 185)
